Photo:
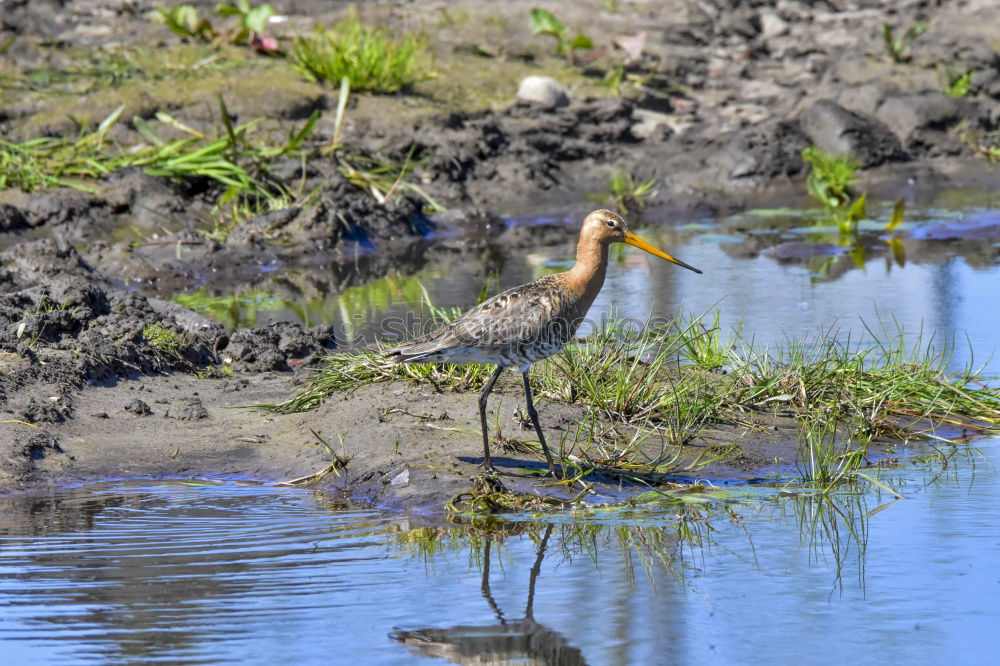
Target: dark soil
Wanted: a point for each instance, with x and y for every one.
(101, 377)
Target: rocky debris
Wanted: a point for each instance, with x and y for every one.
(21, 449)
(69, 330)
(39, 445)
(771, 24)
(346, 212)
(149, 200)
(138, 407)
(77, 332)
(44, 259)
(765, 151)
(925, 121)
(189, 320)
(260, 228)
(475, 152)
(235, 385)
(11, 218)
(836, 130)
(186, 409)
(58, 207)
(270, 347)
(542, 91)
(38, 411)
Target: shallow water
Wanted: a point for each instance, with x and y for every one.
(164, 571)
(941, 290)
(148, 571)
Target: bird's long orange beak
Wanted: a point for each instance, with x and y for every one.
(635, 241)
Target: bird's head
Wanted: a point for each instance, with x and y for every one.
(607, 227)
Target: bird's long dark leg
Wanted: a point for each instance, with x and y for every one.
(487, 460)
(534, 421)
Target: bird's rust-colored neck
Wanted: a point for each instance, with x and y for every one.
(587, 276)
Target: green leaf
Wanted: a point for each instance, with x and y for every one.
(186, 16)
(857, 255)
(303, 133)
(915, 30)
(544, 22)
(857, 210)
(168, 119)
(897, 215)
(112, 118)
(891, 45)
(898, 250)
(257, 18)
(485, 291)
(143, 128)
(227, 9)
(960, 87)
(581, 41)
(227, 121)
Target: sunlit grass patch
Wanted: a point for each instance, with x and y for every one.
(369, 57)
(234, 163)
(44, 162)
(626, 191)
(229, 157)
(162, 338)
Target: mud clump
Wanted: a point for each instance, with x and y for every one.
(839, 131)
(63, 330)
(186, 409)
(476, 154)
(270, 347)
(138, 407)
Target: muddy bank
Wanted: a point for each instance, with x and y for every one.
(103, 376)
(716, 102)
(405, 446)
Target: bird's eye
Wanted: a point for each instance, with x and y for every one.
(610, 224)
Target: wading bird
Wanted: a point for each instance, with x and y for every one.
(525, 324)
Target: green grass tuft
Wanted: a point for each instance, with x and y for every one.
(368, 56)
(627, 192)
(953, 82)
(162, 338)
(830, 177)
(830, 180)
(897, 48)
(544, 22)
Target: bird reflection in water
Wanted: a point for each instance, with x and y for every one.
(523, 640)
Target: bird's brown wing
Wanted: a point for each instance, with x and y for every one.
(531, 312)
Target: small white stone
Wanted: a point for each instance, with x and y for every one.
(772, 25)
(401, 479)
(543, 91)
